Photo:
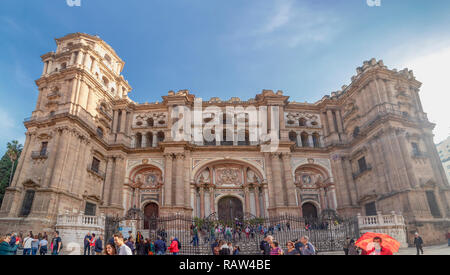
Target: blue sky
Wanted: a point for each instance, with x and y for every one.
(307, 48)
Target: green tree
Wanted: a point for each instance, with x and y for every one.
(8, 164)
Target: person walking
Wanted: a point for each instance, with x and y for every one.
(14, 240)
(130, 244)
(110, 249)
(224, 250)
(378, 249)
(213, 245)
(56, 244)
(43, 246)
(307, 248)
(346, 245)
(352, 248)
(140, 249)
(98, 246)
(291, 249)
(122, 247)
(418, 242)
(276, 250)
(92, 244)
(27, 244)
(173, 248)
(160, 246)
(5, 245)
(35, 245)
(86, 242)
(264, 246)
(236, 250)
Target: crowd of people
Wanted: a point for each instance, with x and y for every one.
(31, 244)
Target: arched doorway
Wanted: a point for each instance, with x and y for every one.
(151, 212)
(230, 208)
(309, 210)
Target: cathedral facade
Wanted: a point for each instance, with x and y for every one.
(90, 149)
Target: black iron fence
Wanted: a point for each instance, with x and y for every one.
(196, 235)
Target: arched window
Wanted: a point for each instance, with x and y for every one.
(304, 137)
(161, 137)
(27, 203)
(63, 66)
(138, 140)
(105, 81)
(316, 140)
(302, 122)
(100, 132)
(150, 122)
(356, 132)
(293, 137)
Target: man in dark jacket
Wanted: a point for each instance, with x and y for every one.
(98, 247)
(418, 242)
(87, 240)
(12, 242)
(160, 246)
(265, 245)
(6, 248)
(214, 245)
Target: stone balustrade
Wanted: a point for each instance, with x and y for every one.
(392, 224)
(73, 227)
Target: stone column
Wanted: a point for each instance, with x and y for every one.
(331, 121)
(86, 60)
(50, 66)
(289, 180)
(186, 181)
(116, 117)
(44, 71)
(144, 140)
(108, 182)
(179, 183)
(123, 119)
(299, 140)
(310, 141)
(257, 201)
(277, 181)
(339, 121)
(94, 62)
(155, 139)
(211, 200)
(117, 190)
(79, 58)
(202, 203)
(59, 162)
(29, 139)
(247, 199)
(168, 180)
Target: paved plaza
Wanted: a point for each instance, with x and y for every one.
(430, 250)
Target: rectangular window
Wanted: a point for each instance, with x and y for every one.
(433, 204)
(371, 209)
(362, 164)
(44, 148)
(95, 165)
(416, 151)
(90, 209)
(27, 203)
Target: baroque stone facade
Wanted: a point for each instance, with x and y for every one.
(91, 150)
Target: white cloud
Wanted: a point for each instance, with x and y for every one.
(285, 23)
(431, 67)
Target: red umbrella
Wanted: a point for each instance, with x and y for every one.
(366, 242)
